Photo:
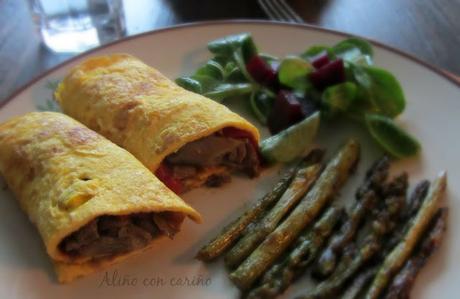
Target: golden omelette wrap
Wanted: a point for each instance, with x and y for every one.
(92, 202)
(188, 140)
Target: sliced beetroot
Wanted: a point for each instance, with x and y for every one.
(286, 111)
(329, 74)
(320, 60)
(262, 72)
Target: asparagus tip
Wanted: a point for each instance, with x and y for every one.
(442, 176)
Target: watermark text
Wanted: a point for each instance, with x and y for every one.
(117, 279)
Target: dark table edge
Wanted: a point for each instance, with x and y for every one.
(412, 57)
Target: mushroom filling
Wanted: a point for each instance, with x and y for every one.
(212, 152)
(108, 236)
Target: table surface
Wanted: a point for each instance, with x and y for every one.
(428, 29)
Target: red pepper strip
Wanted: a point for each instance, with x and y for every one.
(164, 173)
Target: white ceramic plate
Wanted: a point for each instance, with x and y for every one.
(169, 270)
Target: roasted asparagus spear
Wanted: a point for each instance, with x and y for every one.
(402, 283)
(359, 284)
(282, 274)
(417, 196)
(253, 236)
(414, 203)
(327, 261)
(331, 179)
(366, 197)
(376, 175)
(417, 225)
(234, 230)
(384, 223)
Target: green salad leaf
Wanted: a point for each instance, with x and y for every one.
(391, 137)
(224, 75)
(292, 142)
(212, 69)
(190, 84)
(261, 105)
(233, 73)
(314, 51)
(238, 57)
(382, 90)
(207, 82)
(338, 99)
(293, 72)
(368, 95)
(354, 50)
(227, 90)
(228, 45)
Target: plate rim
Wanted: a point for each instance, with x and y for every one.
(34, 81)
(452, 78)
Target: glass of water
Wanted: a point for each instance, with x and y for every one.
(71, 26)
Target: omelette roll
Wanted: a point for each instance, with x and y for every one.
(186, 139)
(92, 202)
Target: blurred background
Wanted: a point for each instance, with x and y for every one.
(36, 35)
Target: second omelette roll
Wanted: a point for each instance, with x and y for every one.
(186, 139)
(91, 201)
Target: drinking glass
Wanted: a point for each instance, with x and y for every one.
(70, 26)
